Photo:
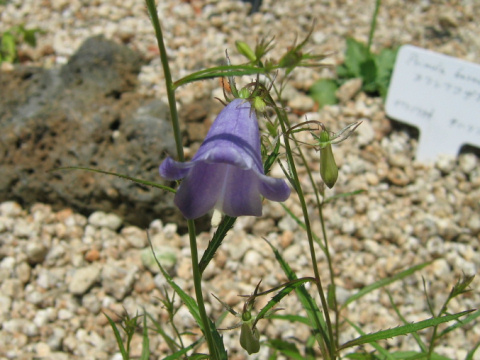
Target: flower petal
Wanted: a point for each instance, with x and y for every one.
(240, 195)
(174, 170)
(200, 190)
(274, 189)
(234, 138)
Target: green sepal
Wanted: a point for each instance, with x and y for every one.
(250, 339)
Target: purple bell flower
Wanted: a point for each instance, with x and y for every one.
(227, 171)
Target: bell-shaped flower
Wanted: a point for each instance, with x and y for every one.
(227, 171)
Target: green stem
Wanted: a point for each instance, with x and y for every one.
(168, 78)
(197, 277)
(325, 248)
(330, 341)
(197, 282)
(373, 25)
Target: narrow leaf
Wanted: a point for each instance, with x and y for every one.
(317, 322)
(179, 354)
(383, 282)
(170, 342)
(146, 342)
(402, 330)
(461, 323)
(291, 318)
(219, 71)
(381, 350)
(214, 244)
(280, 295)
(118, 337)
(139, 181)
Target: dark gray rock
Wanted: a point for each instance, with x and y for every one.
(85, 114)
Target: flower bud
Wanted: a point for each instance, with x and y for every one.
(250, 339)
(328, 167)
(245, 50)
(259, 104)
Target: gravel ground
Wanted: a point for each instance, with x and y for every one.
(60, 271)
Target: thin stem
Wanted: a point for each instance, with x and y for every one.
(326, 249)
(373, 25)
(197, 277)
(197, 282)
(330, 342)
(168, 78)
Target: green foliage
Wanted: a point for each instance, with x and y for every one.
(375, 70)
(323, 92)
(11, 38)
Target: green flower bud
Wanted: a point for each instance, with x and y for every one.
(328, 167)
(244, 93)
(245, 50)
(250, 339)
(259, 104)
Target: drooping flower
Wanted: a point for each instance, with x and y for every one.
(227, 171)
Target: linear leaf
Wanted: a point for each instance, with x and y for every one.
(182, 352)
(317, 322)
(193, 308)
(291, 318)
(403, 330)
(383, 282)
(374, 344)
(170, 342)
(118, 337)
(146, 342)
(139, 181)
(219, 71)
(461, 323)
(281, 294)
(214, 244)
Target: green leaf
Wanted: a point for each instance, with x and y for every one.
(385, 353)
(8, 48)
(180, 354)
(198, 357)
(219, 71)
(343, 195)
(472, 352)
(323, 92)
(146, 342)
(291, 318)
(368, 73)
(385, 62)
(287, 348)
(214, 244)
(118, 337)
(356, 53)
(271, 158)
(383, 282)
(317, 321)
(187, 299)
(302, 225)
(403, 330)
(294, 284)
(465, 321)
(193, 308)
(158, 328)
(418, 339)
(139, 181)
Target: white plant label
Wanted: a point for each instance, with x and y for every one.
(440, 95)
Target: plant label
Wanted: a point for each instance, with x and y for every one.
(438, 94)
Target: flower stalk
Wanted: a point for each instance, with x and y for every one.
(197, 277)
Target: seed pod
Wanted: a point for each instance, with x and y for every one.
(250, 339)
(328, 167)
